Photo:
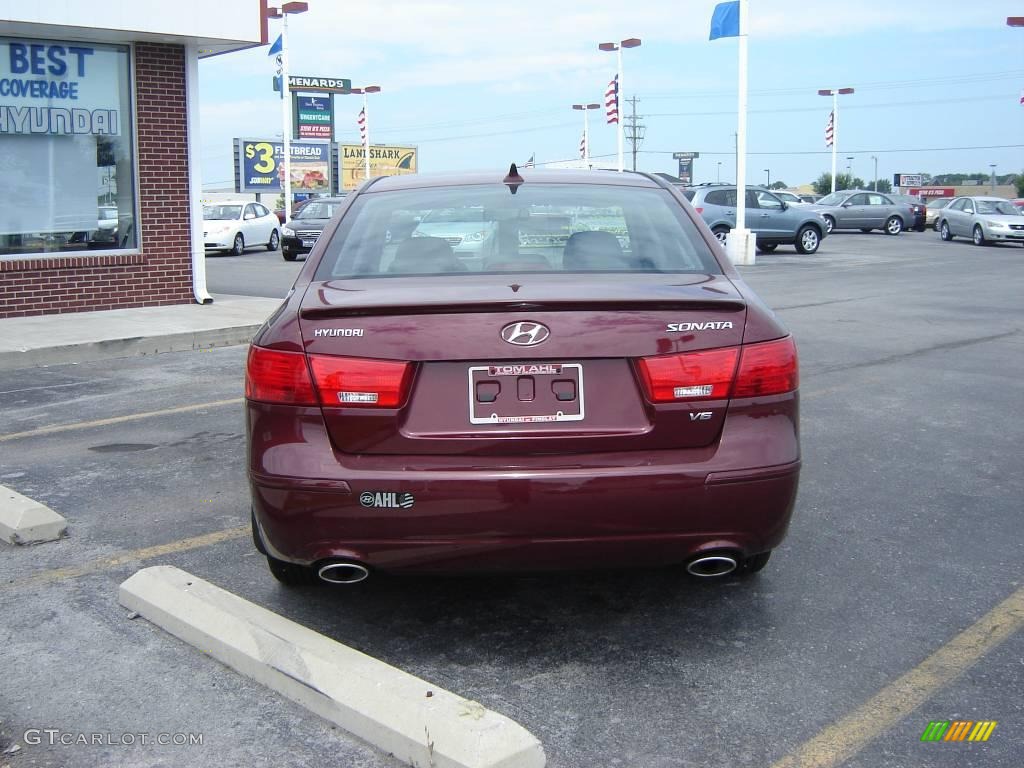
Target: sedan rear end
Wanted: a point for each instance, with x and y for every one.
(608, 394)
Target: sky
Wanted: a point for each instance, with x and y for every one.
(478, 85)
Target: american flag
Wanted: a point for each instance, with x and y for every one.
(611, 101)
(362, 126)
(529, 163)
(830, 129)
(583, 146)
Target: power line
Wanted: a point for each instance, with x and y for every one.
(851, 151)
(878, 105)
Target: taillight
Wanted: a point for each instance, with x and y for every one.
(360, 382)
(699, 210)
(274, 376)
(768, 368)
(703, 375)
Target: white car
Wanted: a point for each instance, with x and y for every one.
(788, 197)
(235, 226)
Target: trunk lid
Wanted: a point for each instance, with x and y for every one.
(474, 392)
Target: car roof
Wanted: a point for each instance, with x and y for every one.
(529, 175)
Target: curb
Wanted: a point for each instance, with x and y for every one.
(415, 721)
(129, 347)
(26, 521)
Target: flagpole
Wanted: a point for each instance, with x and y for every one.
(618, 104)
(366, 131)
(739, 249)
(286, 121)
(835, 133)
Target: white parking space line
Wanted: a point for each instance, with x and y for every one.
(412, 719)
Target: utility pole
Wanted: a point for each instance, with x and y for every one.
(634, 129)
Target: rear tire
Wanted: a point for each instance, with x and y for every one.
(808, 239)
(239, 246)
(720, 234)
(290, 574)
(767, 247)
(894, 225)
(830, 224)
(755, 563)
(944, 232)
(979, 236)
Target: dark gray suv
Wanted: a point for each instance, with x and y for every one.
(773, 221)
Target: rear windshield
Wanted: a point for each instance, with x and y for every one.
(541, 228)
(318, 210)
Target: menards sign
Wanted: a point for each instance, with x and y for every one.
(384, 161)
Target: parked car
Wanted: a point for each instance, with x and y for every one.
(811, 198)
(234, 226)
(864, 210)
(468, 231)
(985, 220)
(587, 404)
(932, 209)
(1018, 201)
(917, 209)
(774, 221)
(300, 234)
(280, 212)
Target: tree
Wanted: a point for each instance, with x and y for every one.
(884, 185)
(778, 185)
(823, 185)
(1019, 181)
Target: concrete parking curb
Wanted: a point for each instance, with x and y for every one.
(417, 722)
(26, 521)
(108, 349)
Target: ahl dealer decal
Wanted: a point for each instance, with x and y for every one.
(386, 499)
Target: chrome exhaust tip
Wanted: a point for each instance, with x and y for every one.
(343, 573)
(710, 566)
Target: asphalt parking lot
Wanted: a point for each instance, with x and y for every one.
(906, 533)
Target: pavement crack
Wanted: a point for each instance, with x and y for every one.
(915, 353)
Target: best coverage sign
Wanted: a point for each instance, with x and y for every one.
(59, 89)
(261, 166)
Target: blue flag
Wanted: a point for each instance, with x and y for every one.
(276, 47)
(725, 21)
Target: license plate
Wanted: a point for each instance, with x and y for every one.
(306, 243)
(525, 393)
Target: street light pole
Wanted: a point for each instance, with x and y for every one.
(632, 42)
(834, 93)
(585, 108)
(849, 169)
(875, 187)
(286, 98)
(718, 178)
(992, 180)
(769, 172)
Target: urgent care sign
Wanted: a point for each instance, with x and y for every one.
(932, 191)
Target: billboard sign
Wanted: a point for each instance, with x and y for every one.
(932, 191)
(907, 180)
(685, 155)
(314, 117)
(319, 84)
(384, 161)
(261, 166)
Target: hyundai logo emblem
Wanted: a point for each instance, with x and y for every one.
(525, 334)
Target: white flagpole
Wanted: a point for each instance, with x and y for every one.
(835, 133)
(286, 125)
(366, 131)
(738, 236)
(618, 105)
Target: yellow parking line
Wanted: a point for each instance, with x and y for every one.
(131, 556)
(850, 734)
(118, 419)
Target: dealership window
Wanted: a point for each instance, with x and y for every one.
(65, 148)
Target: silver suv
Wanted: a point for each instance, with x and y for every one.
(773, 221)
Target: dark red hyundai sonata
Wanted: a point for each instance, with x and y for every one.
(545, 370)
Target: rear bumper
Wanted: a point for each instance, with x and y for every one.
(450, 513)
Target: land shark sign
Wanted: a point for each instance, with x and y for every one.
(63, 89)
(384, 161)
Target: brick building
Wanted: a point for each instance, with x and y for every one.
(98, 130)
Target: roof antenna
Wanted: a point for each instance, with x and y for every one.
(513, 180)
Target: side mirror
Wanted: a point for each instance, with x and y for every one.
(847, 205)
(784, 205)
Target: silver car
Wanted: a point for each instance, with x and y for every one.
(932, 211)
(985, 220)
(864, 210)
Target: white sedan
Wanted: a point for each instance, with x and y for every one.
(235, 226)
